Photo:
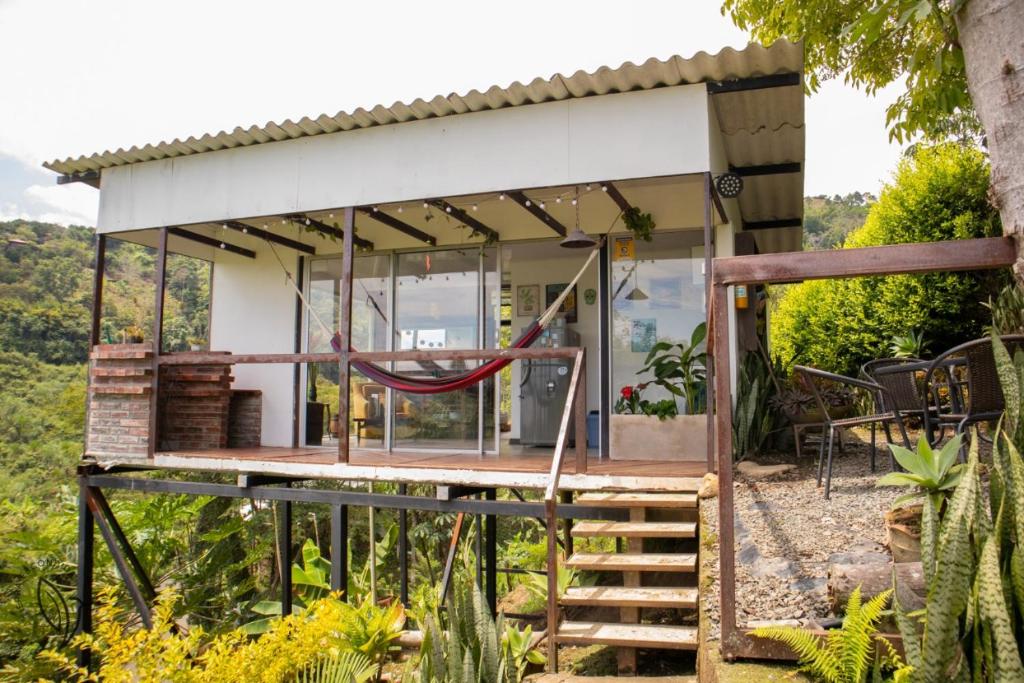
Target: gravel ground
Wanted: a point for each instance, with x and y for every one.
(787, 533)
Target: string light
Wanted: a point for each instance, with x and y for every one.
(399, 209)
(375, 209)
(426, 205)
(542, 205)
(284, 221)
(330, 215)
(245, 231)
(501, 196)
(604, 188)
(558, 200)
(475, 207)
(447, 209)
(528, 202)
(588, 187)
(574, 201)
(225, 226)
(307, 221)
(223, 246)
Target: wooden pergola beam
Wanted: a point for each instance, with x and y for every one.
(270, 237)
(794, 222)
(463, 217)
(330, 230)
(91, 178)
(753, 83)
(211, 242)
(537, 212)
(617, 197)
(766, 169)
(400, 226)
(897, 259)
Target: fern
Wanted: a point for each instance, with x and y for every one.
(848, 654)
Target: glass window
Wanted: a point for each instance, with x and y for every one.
(656, 296)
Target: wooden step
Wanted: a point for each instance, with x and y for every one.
(635, 529)
(639, 562)
(625, 596)
(638, 500)
(629, 635)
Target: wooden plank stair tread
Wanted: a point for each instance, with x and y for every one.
(638, 562)
(635, 529)
(638, 500)
(627, 596)
(629, 635)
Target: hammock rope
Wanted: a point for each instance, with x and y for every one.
(438, 385)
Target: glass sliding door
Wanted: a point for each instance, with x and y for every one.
(656, 295)
(424, 300)
(445, 300)
(368, 401)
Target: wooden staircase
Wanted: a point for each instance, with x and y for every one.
(630, 633)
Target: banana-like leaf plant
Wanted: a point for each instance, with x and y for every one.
(681, 369)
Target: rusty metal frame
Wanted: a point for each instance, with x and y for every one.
(954, 255)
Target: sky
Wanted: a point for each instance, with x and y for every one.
(85, 76)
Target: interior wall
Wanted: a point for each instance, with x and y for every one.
(544, 264)
(254, 312)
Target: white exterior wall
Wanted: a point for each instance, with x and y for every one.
(630, 135)
(253, 311)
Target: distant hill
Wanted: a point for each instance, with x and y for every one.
(46, 292)
(828, 220)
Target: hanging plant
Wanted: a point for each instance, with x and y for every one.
(639, 223)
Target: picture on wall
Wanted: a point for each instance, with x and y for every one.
(666, 292)
(568, 306)
(644, 335)
(528, 300)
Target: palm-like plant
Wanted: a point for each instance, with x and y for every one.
(932, 474)
(847, 655)
(681, 369)
(343, 667)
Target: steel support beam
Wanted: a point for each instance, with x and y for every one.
(211, 242)
(330, 230)
(753, 83)
(339, 549)
(284, 554)
(463, 217)
(99, 262)
(268, 236)
(537, 212)
(83, 597)
(491, 553)
(403, 549)
(120, 562)
(158, 336)
(345, 328)
(400, 226)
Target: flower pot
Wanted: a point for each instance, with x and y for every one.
(644, 437)
(903, 533)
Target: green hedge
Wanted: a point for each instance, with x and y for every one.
(938, 194)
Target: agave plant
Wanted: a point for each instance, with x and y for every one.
(909, 345)
(847, 655)
(932, 474)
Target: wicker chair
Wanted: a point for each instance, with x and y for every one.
(832, 425)
(903, 392)
(979, 398)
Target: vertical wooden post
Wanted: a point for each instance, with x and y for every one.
(345, 327)
(723, 444)
(158, 334)
(581, 414)
(297, 371)
(97, 289)
(551, 517)
(605, 360)
(712, 368)
(339, 549)
(86, 537)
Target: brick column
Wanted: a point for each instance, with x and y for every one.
(119, 390)
(194, 405)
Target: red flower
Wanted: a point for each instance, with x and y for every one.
(627, 393)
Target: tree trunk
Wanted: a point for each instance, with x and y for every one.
(992, 38)
(873, 579)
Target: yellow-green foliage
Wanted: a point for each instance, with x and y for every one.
(165, 653)
(939, 194)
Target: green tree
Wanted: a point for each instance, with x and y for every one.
(962, 62)
(939, 194)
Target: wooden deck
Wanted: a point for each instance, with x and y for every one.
(514, 470)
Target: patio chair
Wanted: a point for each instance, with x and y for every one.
(832, 425)
(903, 392)
(976, 398)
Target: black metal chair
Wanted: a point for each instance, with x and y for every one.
(978, 397)
(875, 390)
(903, 392)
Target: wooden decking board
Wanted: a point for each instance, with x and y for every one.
(640, 562)
(626, 596)
(635, 529)
(637, 500)
(630, 635)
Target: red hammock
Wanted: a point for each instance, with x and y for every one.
(440, 385)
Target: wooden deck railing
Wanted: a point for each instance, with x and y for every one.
(576, 401)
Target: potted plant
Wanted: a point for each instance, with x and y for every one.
(133, 334)
(669, 428)
(196, 343)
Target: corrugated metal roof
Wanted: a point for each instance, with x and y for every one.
(744, 111)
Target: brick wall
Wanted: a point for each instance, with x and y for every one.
(245, 418)
(194, 403)
(119, 392)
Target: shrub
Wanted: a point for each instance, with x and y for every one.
(939, 194)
